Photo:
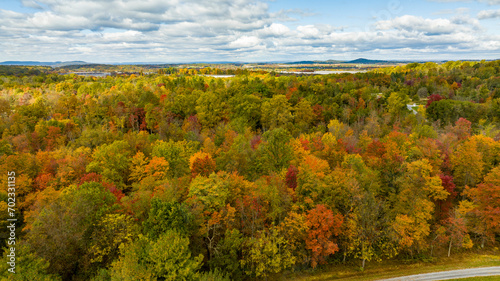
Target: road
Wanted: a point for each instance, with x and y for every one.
(452, 274)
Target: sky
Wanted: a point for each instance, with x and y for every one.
(177, 31)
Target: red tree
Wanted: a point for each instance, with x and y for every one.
(432, 98)
(323, 225)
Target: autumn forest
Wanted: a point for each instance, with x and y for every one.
(177, 175)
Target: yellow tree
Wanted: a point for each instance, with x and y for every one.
(467, 164)
(268, 253)
(489, 149)
(147, 173)
(294, 229)
(303, 114)
(413, 205)
(397, 104)
(312, 180)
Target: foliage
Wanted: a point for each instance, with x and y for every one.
(268, 253)
(448, 111)
(63, 230)
(28, 266)
(134, 176)
(112, 162)
(323, 225)
(177, 155)
(276, 112)
(167, 258)
(113, 231)
(274, 153)
(201, 163)
(487, 203)
(167, 215)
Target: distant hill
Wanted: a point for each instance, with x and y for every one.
(302, 62)
(23, 63)
(368, 61)
(64, 63)
(315, 62)
(356, 61)
(40, 63)
(159, 64)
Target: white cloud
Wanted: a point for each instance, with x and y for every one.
(308, 31)
(489, 2)
(31, 4)
(245, 42)
(49, 20)
(489, 14)
(274, 30)
(190, 30)
(419, 24)
(127, 36)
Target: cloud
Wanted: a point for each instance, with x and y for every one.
(31, 4)
(460, 11)
(489, 14)
(419, 24)
(489, 2)
(308, 32)
(274, 30)
(146, 15)
(196, 30)
(49, 20)
(245, 42)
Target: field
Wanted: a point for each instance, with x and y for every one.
(392, 269)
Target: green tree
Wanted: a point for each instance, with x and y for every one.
(112, 162)
(29, 267)
(177, 155)
(167, 215)
(212, 191)
(303, 115)
(62, 231)
(275, 153)
(239, 156)
(276, 113)
(228, 255)
(210, 108)
(268, 253)
(109, 233)
(365, 231)
(246, 108)
(397, 102)
(167, 258)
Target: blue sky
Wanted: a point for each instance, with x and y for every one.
(176, 31)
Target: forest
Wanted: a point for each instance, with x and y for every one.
(174, 175)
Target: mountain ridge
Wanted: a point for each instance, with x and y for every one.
(330, 61)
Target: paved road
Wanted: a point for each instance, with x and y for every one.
(452, 274)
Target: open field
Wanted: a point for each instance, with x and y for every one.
(390, 269)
